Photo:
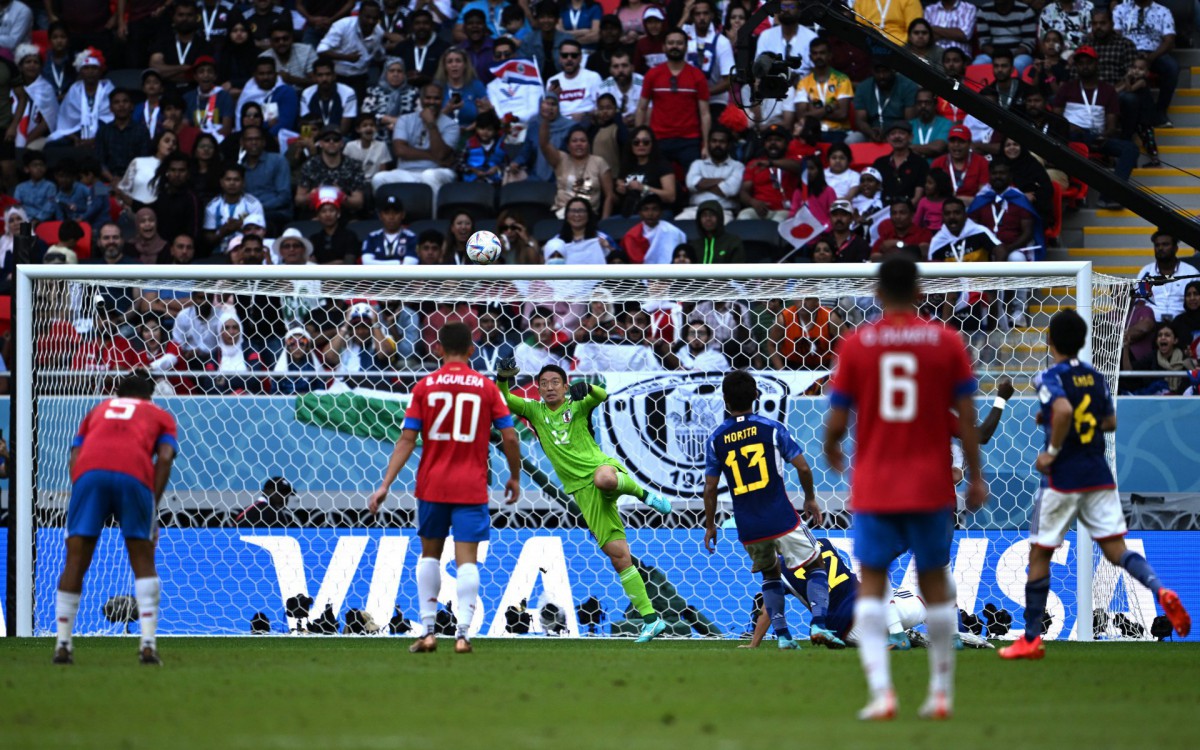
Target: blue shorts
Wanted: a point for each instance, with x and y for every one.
(99, 494)
(471, 523)
(879, 538)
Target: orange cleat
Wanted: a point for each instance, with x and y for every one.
(1022, 648)
(938, 707)
(1180, 620)
(423, 645)
(881, 708)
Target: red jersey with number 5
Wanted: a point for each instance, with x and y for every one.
(901, 375)
(454, 410)
(123, 434)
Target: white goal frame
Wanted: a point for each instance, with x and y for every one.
(27, 274)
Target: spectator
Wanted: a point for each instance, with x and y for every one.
(177, 206)
(231, 360)
(97, 196)
(684, 255)
(483, 158)
(85, 104)
(268, 177)
(1071, 18)
(119, 141)
(105, 349)
(331, 167)
(1151, 27)
(578, 241)
(368, 150)
(540, 345)
(578, 173)
(14, 217)
(931, 129)
(354, 42)
(519, 246)
(70, 234)
(1115, 52)
(391, 244)
(648, 49)
(848, 246)
(600, 57)
(390, 98)
(462, 226)
(197, 328)
(825, 94)
(713, 243)
(1050, 70)
(490, 344)
(173, 120)
(1091, 107)
(961, 240)
(954, 23)
(262, 16)
(711, 53)
(431, 250)
(517, 90)
(261, 314)
(868, 199)
(900, 233)
(1166, 299)
(1187, 323)
(208, 107)
(269, 510)
(41, 112)
(294, 60)
(838, 175)
(1008, 214)
(652, 240)
(147, 246)
(477, 44)
(1046, 121)
(1006, 89)
(161, 355)
(643, 171)
(333, 244)
(463, 95)
(71, 197)
(767, 187)
(327, 102)
(251, 115)
(929, 208)
(954, 66)
(675, 104)
(149, 113)
(576, 87)
(298, 357)
(37, 194)
(224, 214)
(902, 171)
(788, 38)
(422, 50)
(814, 194)
(1006, 23)
(697, 352)
(279, 101)
(424, 145)
(716, 177)
(921, 39)
(968, 172)
(630, 12)
(881, 99)
(237, 58)
(544, 45)
(175, 53)
(59, 70)
(1167, 356)
(109, 247)
(1136, 83)
(16, 21)
(182, 250)
(606, 131)
(804, 336)
(1028, 175)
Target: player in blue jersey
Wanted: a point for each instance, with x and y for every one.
(1076, 411)
(749, 451)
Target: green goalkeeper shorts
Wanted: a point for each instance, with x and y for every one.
(600, 513)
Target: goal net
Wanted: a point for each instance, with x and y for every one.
(303, 373)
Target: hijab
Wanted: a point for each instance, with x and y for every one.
(147, 250)
(233, 358)
(7, 240)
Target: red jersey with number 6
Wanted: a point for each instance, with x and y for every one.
(901, 375)
(454, 409)
(123, 434)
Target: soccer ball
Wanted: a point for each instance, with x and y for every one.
(484, 248)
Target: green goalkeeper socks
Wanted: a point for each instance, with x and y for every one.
(626, 486)
(635, 589)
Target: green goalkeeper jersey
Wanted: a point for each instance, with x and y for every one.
(565, 435)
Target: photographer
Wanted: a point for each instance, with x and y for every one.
(270, 510)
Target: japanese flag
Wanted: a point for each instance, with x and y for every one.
(800, 228)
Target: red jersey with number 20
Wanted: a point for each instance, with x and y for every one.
(901, 375)
(122, 434)
(454, 410)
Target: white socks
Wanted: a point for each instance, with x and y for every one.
(429, 583)
(941, 622)
(147, 592)
(468, 594)
(66, 606)
(870, 619)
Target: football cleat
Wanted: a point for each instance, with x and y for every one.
(787, 644)
(937, 706)
(1023, 648)
(658, 503)
(651, 630)
(149, 657)
(898, 642)
(881, 708)
(64, 655)
(819, 636)
(1175, 612)
(462, 645)
(423, 645)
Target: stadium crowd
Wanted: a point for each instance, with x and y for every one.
(331, 132)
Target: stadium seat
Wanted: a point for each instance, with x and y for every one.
(1053, 222)
(546, 229)
(617, 226)
(1077, 190)
(863, 155)
(416, 197)
(127, 78)
(531, 199)
(978, 76)
(47, 232)
(307, 227)
(56, 154)
(364, 227)
(689, 227)
(417, 227)
(760, 238)
(479, 199)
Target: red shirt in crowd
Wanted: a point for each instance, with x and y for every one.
(675, 112)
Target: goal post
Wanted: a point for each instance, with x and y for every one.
(655, 421)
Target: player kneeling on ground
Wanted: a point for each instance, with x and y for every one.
(1076, 410)
(750, 450)
(120, 462)
(593, 479)
(452, 409)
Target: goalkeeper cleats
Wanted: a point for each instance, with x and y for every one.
(462, 645)
(819, 636)
(937, 706)
(64, 655)
(651, 630)
(898, 642)
(1023, 648)
(424, 645)
(1175, 612)
(787, 644)
(149, 657)
(881, 708)
(658, 502)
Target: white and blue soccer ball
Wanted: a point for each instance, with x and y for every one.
(484, 248)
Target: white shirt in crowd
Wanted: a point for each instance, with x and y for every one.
(345, 37)
(576, 95)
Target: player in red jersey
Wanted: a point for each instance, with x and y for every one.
(452, 410)
(901, 375)
(120, 462)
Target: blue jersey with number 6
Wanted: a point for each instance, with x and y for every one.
(843, 587)
(1081, 465)
(749, 451)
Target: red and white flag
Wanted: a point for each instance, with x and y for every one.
(800, 228)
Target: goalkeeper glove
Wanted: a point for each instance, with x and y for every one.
(580, 390)
(506, 368)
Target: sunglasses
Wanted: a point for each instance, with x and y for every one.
(331, 139)
(569, 55)
(510, 227)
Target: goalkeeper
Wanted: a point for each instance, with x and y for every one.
(593, 479)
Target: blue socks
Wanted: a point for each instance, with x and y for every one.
(772, 590)
(818, 594)
(1036, 593)
(1140, 569)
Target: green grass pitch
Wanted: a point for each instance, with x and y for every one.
(316, 692)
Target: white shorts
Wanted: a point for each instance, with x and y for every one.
(1055, 512)
(905, 610)
(798, 548)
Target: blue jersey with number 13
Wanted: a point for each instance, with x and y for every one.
(749, 451)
